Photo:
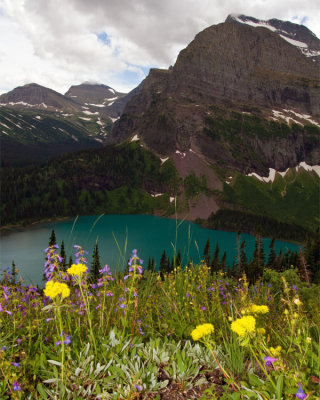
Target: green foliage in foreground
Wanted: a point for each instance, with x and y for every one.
(130, 337)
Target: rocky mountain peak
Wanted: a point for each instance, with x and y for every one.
(38, 97)
(298, 35)
(225, 88)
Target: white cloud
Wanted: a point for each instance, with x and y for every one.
(55, 42)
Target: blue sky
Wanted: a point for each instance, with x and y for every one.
(59, 43)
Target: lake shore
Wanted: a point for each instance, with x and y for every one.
(14, 228)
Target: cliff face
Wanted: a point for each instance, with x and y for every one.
(237, 95)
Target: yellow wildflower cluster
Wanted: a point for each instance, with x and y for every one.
(244, 325)
(261, 331)
(202, 330)
(77, 269)
(53, 289)
(254, 309)
(297, 301)
(275, 351)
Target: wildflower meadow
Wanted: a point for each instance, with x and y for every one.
(191, 333)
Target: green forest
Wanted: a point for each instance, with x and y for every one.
(113, 178)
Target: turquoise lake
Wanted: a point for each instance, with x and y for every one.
(117, 235)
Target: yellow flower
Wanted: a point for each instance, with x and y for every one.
(258, 309)
(244, 325)
(297, 301)
(308, 339)
(77, 269)
(202, 330)
(53, 289)
(286, 312)
(261, 331)
(275, 351)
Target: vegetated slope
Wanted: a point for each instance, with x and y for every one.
(29, 136)
(113, 179)
(239, 99)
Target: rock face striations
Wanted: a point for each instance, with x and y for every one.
(240, 95)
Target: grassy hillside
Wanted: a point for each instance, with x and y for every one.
(294, 198)
(33, 136)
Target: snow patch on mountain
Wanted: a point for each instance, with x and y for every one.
(287, 116)
(273, 172)
(274, 27)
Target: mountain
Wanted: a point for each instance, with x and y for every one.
(298, 35)
(241, 98)
(37, 122)
(102, 98)
(38, 97)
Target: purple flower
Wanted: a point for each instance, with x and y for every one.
(4, 348)
(67, 340)
(294, 287)
(138, 387)
(300, 393)
(269, 360)
(187, 294)
(16, 386)
(203, 308)
(15, 364)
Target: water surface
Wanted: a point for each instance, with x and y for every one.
(117, 235)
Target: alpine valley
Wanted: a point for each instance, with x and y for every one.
(228, 136)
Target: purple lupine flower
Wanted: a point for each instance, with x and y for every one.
(16, 387)
(15, 364)
(67, 340)
(269, 360)
(300, 393)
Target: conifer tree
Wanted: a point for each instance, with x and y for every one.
(70, 262)
(206, 252)
(52, 240)
(153, 265)
(256, 266)
(95, 266)
(63, 255)
(272, 254)
(164, 267)
(224, 262)
(13, 273)
(178, 259)
(237, 266)
(149, 264)
(215, 264)
(243, 258)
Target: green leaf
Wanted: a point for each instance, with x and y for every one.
(279, 387)
(42, 391)
(255, 381)
(55, 362)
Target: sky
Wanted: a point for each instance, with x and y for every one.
(59, 43)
